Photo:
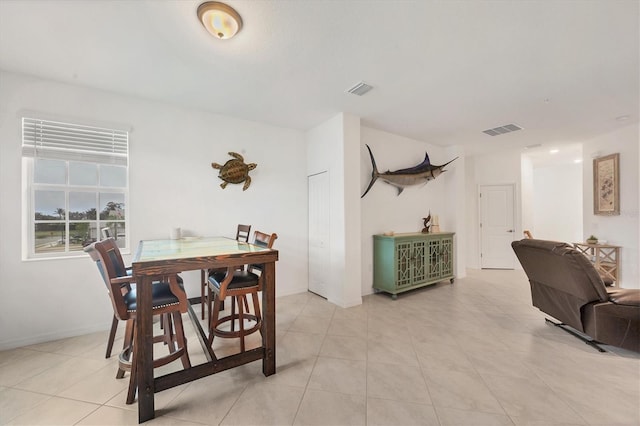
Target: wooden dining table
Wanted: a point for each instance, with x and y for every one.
(156, 258)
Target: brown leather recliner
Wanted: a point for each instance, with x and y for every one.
(566, 286)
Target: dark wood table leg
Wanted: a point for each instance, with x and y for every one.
(144, 350)
(269, 319)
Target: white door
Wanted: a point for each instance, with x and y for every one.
(319, 265)
(497, 229)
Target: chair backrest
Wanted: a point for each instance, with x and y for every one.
(262, 240)
(242, 234)
(107, 256)
(562, 279)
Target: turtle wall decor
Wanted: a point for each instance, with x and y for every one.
(235, 171)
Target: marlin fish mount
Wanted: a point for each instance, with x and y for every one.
(422, 173)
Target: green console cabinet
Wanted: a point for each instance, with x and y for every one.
(402, 262)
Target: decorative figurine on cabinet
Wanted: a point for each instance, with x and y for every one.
(427, 223)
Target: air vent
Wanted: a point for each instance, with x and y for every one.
(507, 128)
(360, 88)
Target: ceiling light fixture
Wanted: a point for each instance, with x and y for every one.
(554, 151)
(221, 20)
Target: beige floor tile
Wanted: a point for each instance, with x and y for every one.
(14, 402)
(265, 404)
(300, 345)
(453, 417)
(291, 371)
(355, 313)
(318, 308)
(462, 390)
(597, 399)
(501, 363)
(443, 356)
(309, 324)
(329, 408)
(382, 412)
(396, 382)
(61, 376)
(531, 400)
(339, 375)
(55, 411)
(22, 364)
(472, 353)
(207, 400)
(345, 347)
(390, 350)
(161, 399)
(111, 416)
(344, 326)
(98, 388)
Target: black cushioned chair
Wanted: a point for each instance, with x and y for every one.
(238, 284)
(242, 234)
(566, 286)
(169, 302)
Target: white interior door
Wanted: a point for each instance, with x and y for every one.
(319, 265)
(496, 226)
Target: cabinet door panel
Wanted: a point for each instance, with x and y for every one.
(447, 257)
(403, 256)
(434, 259)
(419, 262)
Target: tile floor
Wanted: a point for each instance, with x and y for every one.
(472, 353)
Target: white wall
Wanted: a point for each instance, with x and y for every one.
(619, 230)
(333, 146)
(557, 203)
(171, 184)
(383, 210)
(526, 169)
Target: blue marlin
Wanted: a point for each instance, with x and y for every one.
(422, 173)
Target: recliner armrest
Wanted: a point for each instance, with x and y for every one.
(627, 297)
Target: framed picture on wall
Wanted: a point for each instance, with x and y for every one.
(606, 185)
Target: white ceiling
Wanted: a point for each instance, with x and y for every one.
(442, 71)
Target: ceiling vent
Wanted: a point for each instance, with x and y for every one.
(360, 88)
(507, 128)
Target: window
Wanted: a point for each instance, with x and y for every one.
(77, 186)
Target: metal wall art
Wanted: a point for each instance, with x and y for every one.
(235, 171)
(422, 173)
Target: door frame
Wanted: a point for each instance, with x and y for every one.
(327, 174)
(516, 226)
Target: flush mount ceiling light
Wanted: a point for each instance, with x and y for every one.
(221, 20)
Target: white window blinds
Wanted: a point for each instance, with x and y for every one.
(52, 139)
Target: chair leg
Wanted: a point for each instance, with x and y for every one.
(112, 336)
(233, 312)
(203, 284)
(128, 344)
(240, 322)
(181, 339)
(214, 318)
(210, 299)
(256, 306)
(169, 337)
(133, 383)
(246, 303)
